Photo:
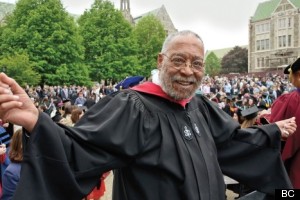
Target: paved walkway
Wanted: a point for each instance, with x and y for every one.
(109, 181)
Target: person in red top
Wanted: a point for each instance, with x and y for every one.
(99, 190)
(284, 107)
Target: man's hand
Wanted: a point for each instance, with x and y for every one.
(287, 127)
(15, 105)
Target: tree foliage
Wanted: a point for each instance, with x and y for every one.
(212, 64)
(150, 35)
(102, 45)
(21, 69)
(48, 35)
(235, 61)
(110, 51)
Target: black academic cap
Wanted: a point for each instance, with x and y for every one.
(57, 117)
(262, 106)
(265, 94)
(239, 96)
(239, 112)
(239, 104)
(250, 113)
(66, 100)
(295, 66)
(230, 97)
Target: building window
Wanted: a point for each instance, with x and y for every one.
(262, 44)
(289, 22)
(281, 23)
(267, 62)
(267, 27)
(284, 41)
(267, 44)
(257, 28)
(262, 28)
(285, 23)
(280, 41)
(258, 45)
(289, 40)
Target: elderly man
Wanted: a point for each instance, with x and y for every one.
(161, 140)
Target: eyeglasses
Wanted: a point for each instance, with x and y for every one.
(179, 62)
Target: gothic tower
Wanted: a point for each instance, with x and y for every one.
(125, 8)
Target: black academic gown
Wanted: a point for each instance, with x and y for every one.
(159, 150)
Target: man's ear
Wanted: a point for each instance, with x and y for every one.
(295, 79)
(159, 60)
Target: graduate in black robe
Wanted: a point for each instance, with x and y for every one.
(161, 141)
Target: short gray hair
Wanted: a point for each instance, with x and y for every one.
(170, 38)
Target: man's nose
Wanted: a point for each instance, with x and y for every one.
(187, 69)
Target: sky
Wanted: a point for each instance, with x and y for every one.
(220, 23)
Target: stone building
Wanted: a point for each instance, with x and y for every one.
(125, 8)
(161, 13)
(274, 35)
(5, 9)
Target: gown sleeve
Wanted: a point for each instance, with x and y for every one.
(10, 181)
(67, 162)
(250, 156)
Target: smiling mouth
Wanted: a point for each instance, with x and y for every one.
(185, 83)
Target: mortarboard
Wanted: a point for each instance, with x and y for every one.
(66, 100)
(295, 66)
(57, 117)
(265, 94)
(239, 96)
(250, 113)
(262, 106)
(239, 112)
(239, 104)
(231, 97)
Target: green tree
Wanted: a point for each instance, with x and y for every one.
(45, 31)
(212, 64)
(235, 61)
(21, 69)
(110, 50)
(150, 35)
